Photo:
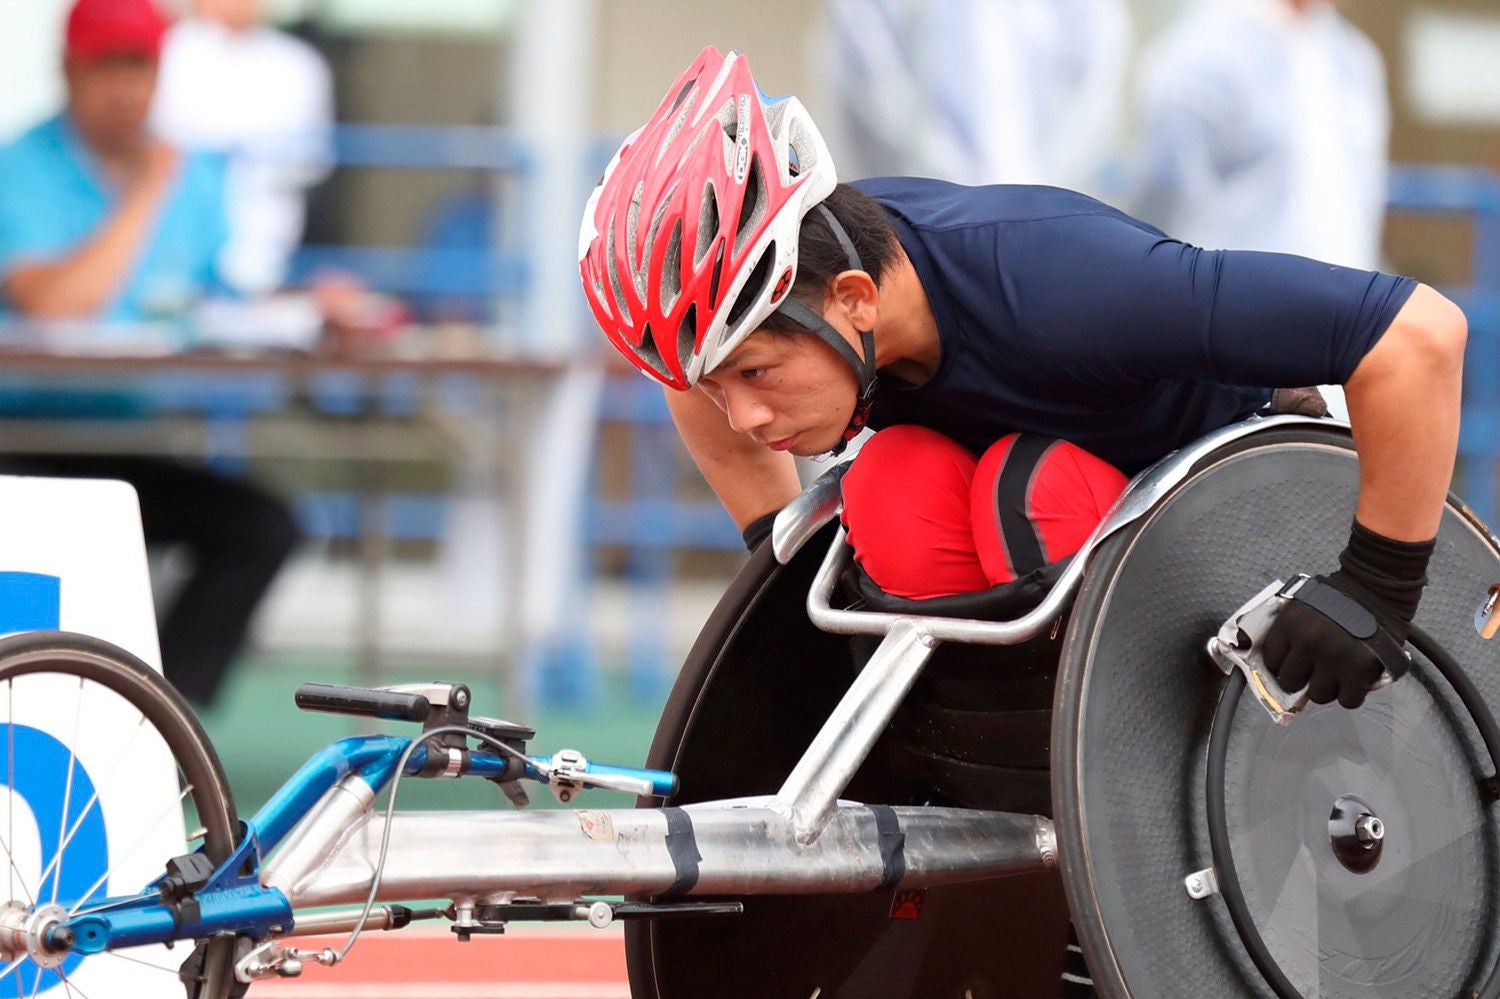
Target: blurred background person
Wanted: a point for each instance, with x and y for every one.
(975, 91)
(263, 98)
(99, 221)
(1264, 124)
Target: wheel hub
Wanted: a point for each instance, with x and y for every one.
(1356, 834)
(24, 932)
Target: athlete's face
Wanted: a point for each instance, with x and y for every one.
(790, 392)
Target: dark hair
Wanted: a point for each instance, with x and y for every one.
(821, 257)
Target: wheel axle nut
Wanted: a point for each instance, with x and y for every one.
(1356, 834)
(1369, 830)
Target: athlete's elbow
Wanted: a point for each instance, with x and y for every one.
(1425, 343)
(1439, 333)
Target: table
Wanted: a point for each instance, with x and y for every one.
(519, 428)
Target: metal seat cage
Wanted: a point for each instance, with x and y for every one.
(908, 639)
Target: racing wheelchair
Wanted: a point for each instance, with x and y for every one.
(854, 795)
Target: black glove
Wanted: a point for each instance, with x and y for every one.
(1338, 633)
(758, 530)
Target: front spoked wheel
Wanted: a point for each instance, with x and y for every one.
(107, 775)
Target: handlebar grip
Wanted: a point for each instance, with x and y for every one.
(386, 704)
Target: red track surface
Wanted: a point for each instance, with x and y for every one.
(575, 963)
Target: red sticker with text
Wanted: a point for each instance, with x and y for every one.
(908, 903)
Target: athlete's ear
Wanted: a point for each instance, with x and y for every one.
(856, 293)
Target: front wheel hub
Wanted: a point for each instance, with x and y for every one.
(27, 932)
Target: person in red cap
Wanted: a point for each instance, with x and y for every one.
(113, 179)
(101, 221)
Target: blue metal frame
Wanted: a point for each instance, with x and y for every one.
(233, 900)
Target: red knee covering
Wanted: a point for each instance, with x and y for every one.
(906, 508)
(1035, 501)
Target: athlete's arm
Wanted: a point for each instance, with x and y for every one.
(750, 480)
(1404, 408)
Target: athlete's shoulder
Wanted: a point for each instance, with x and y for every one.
(926, 203)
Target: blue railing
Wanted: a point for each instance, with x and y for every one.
(1472, 194)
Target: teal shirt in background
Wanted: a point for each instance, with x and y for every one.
(53, 196)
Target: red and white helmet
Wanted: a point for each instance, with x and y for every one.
(690, 240)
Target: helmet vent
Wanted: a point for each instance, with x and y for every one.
(754, 285)
(802, 148)
(649, 353)
(713, 282)
(708, 224)
(729, 121)
(633, 219)
(671, 268)
(682, 94)
(640, 255)
(687, 334)
(622, 309)
(753, 207)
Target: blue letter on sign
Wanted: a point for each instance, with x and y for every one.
(40, 780)
(29, 601)
(68, 819)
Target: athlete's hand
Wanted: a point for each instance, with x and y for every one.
(1342, 631)
(1334, 643)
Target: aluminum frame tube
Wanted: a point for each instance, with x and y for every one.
(841, 745)
(715, 848)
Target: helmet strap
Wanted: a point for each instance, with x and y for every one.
(864, 366)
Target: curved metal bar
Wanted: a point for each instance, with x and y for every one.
(1144, 492)
(800, 519)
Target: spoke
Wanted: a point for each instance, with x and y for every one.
(120, 758)
(12, 966)
(71, 987)
(10, 779)
(62, 823)
(133, 847)
(15, 872)
(123, 956)
(114, 904)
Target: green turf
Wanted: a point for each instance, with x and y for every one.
(262, 738)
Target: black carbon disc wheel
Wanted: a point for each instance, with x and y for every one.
(1135, 700)
(83, 726)
(754, 690)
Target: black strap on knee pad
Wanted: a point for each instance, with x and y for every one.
(1018, 531)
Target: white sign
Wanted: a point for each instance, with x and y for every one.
(72, 557)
